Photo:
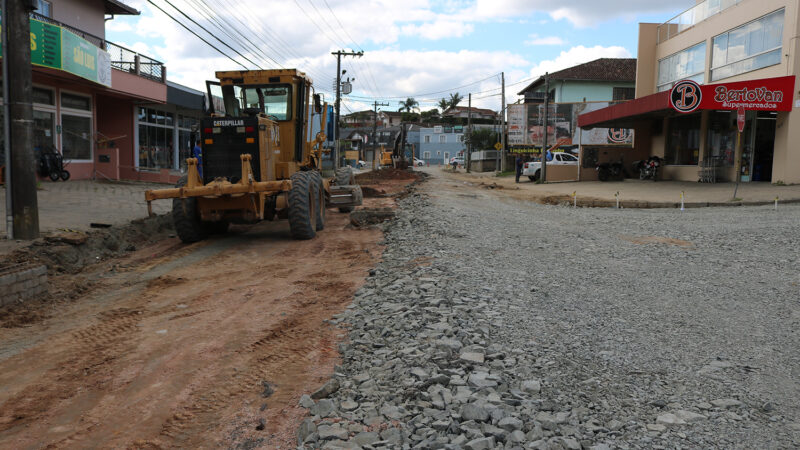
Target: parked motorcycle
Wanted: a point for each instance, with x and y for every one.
(609, 170)
(648, 169)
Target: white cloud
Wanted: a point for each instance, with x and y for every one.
(118, 25)
(534, 39)
(581, 13)
(441, 29)
(578, 55)
(305, 40)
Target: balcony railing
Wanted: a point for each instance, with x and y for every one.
(122, 58)
(692, 17)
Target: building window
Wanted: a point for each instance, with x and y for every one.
(442, 139)
(44, 124)
(752, 46)
(44, 8)
(76, 126)
(623, 93)
(722, 137)
(76, 137)
(460, 138)
(428, 139)
(156, 149)
(43, 96)
(438, 153)
(447, 155)
(683, 142)
(687, 64)
(73, 101)
(426, 155)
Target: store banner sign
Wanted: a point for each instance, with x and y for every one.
(768, 94)
(516, 124)
(59, 48)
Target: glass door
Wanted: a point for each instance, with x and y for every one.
(43, 130)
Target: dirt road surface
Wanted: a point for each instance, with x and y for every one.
(192, 346)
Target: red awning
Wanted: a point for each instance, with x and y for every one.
(766, 94)
(623, 115)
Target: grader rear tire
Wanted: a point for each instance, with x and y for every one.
(302, 207)
(345, 177)
(319, 191)
(186, 218)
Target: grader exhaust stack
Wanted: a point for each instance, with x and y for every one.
(261, 159)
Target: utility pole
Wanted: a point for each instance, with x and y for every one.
(339, 55)
(375, 128)
(7, 136)
(468, 159)
(543, 178)
(17, 57)
(503, 123)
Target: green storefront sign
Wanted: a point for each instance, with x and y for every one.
(58, 48)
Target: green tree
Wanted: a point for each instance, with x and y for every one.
(481, 139)
(409, 105)
(444, 104)
(455, 99)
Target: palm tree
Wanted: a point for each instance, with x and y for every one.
(444, 104)
(455, 99)
(409, 105)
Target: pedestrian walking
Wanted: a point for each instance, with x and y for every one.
(518, 165)
(197, 152)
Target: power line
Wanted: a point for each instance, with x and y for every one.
(204, 29)
(253, 46)
(197, 35)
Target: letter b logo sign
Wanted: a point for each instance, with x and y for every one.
(686, 96)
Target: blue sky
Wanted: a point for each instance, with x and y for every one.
(412, 47)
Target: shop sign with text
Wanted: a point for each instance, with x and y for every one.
(58, 48)
(768, 94)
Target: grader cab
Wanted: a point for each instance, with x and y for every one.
(261, 159)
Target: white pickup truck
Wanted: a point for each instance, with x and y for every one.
(533, 169)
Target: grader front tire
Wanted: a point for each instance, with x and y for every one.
(186, 218)
(319, 191)
(302, 207)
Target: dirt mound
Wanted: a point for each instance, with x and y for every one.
(376, 176)
(71, 252)
(68, 254)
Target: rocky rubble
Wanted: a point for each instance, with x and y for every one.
(470, 335)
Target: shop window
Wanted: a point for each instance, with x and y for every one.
(752, 46)
(722, 131)
(623, 93)
(683, 141)
(76, 137)
(43, 96)
(155, 147)
(687, 64)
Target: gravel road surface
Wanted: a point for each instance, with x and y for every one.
(497, 323)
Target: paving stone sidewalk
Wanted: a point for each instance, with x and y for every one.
(74, 205)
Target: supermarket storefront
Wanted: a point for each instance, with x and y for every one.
(695, 128)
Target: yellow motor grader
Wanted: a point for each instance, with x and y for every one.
(261, 159)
